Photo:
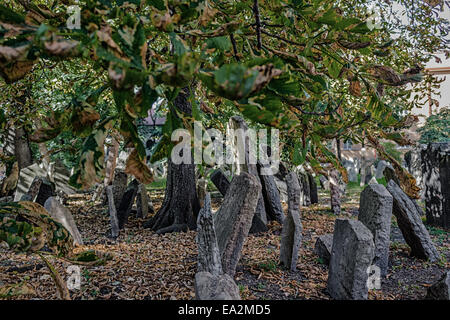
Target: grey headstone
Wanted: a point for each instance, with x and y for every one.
(234, 218)
(375, 212)
(112, 212)
(436, 178)
(215, 287)
(271, 197)
(441, 289)
(351, 257)
(126, 203)
(323, 247)
(409, 222)
(291, 234)
(380, 168)
(142, 201)
(63, 216)
(221, 181)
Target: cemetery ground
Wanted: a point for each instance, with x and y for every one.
(144, 265)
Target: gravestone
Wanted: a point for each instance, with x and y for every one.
(46, 190)
(234, 218)
(410, 224)
(221, 181)
(208, 249)
(127, 202)
(215, 287)
(380, 168)
(271, 197)
(441, 289)
(436, 180)
(112, 212)
(119, 184)
(324, 183)
(413, 161)
(375, 212)
(33, 190)
(63, 215)
(335, 192)
(305, 190)
(351, 256)
(282, 188)
(323, 247)
(313, 189)
(142, 201)
(26, 177)
(291, 234)
(351, 166)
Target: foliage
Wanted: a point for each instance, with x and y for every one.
(436, 127)
(313, 69)
(391, 149)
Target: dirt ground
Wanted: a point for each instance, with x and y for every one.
(145, 265)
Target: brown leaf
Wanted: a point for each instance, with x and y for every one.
(138, 168)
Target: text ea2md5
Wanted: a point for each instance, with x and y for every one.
(225, 309)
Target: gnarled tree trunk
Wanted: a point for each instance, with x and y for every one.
(180, 206)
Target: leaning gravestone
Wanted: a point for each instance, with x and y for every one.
(380, 168)
(215, 287)
(324, 183)
(119, 186)
(234, 218)
(126, 203)
(26, 178)
(33, 190)
(271, 197)
(436, 179)
(142, 201)
(221, 181)
(335, 192)
(351, 257)
(282, 188)
(410, 224)
(63, 216)
(313, 189)
(291, 234)
(323, 247)
(375, 212)
(46, 190)
(210, 281)
(441, 289)
(112, 212)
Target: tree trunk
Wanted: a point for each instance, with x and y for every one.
(22, 148)
(180, 206)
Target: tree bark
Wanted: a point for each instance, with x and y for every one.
(180, 205)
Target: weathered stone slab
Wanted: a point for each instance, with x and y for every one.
(221, 181)
(413, 230)
(351, 165)
(291, 235)
(375, 212)
(215, 287)
(324, 183)
(208, 249)
(305, 191)
(234, 218)
(127, 202)
(335, 192)
(323, 247)
(26, 178)
(120, 185)
(436, 178)
(63, 216)
(112, 212)
(46, 190)
(313, 189)
(33, 190)
(351, 257)
(142, 201)
(380, 168)
(441, 289)
(271, 196)
(282, 188)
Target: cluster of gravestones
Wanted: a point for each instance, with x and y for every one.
(49, 189)
(121, 197)
(356, 246)
(221, 236)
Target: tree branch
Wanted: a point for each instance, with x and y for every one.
(258, 23)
